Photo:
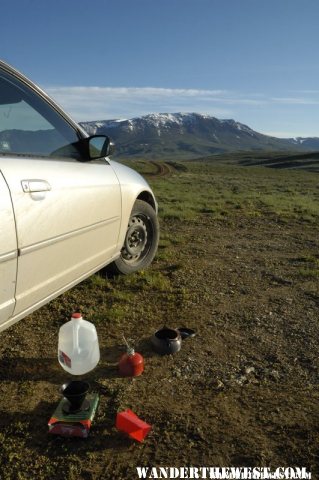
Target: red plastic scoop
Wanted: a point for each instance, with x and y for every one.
(129, 423)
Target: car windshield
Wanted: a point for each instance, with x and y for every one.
(30, 126)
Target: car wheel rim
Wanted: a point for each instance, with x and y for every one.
(137, 238)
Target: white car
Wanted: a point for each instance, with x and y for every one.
(66, 210)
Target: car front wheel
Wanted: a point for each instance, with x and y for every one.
(141, 240)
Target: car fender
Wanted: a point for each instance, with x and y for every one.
(133, 186)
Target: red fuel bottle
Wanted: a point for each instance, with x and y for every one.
(131, 364)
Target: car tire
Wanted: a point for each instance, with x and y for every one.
(141, 240)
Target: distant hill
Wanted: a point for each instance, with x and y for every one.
(189, 135)
(278, 160)
(308, 143)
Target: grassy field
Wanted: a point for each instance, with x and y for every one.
(238, 261)
(278, 160)
(223, 189)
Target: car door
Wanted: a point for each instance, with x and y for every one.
(8, 253)
(67, 211)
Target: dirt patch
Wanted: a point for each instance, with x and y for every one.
(242, 392)
(161, 169)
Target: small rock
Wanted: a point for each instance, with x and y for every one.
(218, 384)
(241, 380)
(274, 375)
(249, 370)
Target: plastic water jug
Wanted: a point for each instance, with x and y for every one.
(78, 350)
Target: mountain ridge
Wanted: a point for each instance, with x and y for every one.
(189, 135)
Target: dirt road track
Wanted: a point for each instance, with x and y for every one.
(161, 169)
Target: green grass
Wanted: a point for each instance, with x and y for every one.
(309, 272)
(310, 266)
(113, 301)
(223, 190)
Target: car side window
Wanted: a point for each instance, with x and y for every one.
(31, 126)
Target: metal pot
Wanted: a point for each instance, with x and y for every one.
(166, 341)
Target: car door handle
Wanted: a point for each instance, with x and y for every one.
(35, 185)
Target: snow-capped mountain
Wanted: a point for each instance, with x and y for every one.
(308, 143)
(187, 135)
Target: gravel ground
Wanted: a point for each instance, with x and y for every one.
(242, 392)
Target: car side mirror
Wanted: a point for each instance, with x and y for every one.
(99, 146)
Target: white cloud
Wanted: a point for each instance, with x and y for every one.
(102, 103)
(92, 103)
(295, 101)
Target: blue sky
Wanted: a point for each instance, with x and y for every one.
(256, 61)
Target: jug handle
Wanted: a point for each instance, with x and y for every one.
(76, 327)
